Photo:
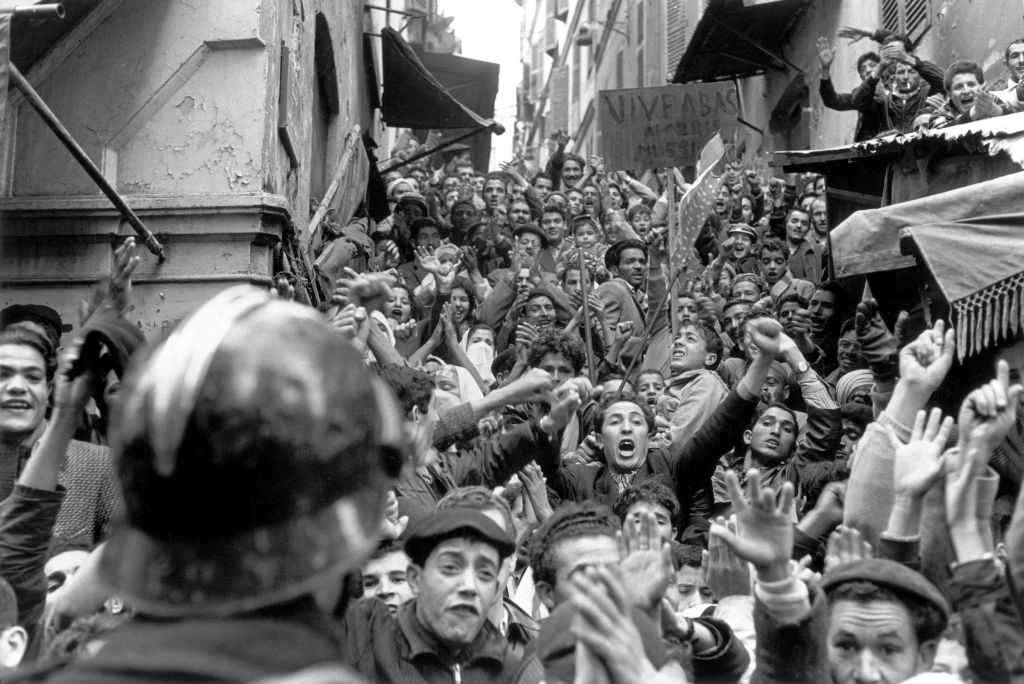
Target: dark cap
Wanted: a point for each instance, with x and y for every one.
(454, 522)
(743, 229)
(413, 198)
(533, 229)
(889, 574)
(21, 312)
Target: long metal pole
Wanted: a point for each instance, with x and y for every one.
(587, 335)
(55, 10)
(83, 159)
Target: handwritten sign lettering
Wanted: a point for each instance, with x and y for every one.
(643, 128)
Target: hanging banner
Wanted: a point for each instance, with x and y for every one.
(643, 128)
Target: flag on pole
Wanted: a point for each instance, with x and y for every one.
(694, 208)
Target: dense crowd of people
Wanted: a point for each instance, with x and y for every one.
(517, 446)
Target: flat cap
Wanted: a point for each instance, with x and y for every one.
(889, 574)
(454, 522)
(413, 198)
(19, 312)
(532, 229)
(743, 229)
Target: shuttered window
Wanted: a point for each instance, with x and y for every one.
(675, 34)
(912, 17)
(536, 69)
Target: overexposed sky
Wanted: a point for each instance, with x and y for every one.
(489, 31)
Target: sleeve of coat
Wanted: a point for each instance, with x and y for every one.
(869, 495)
(1015, 559)
(497, 460)
(792, 652)
(27, 519)
(613, 297)
(833, 100)
(696, 459)
(495, 307)
(932, 75)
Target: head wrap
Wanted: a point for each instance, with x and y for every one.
(850, 382)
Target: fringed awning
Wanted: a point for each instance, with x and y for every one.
(978, 264)
(990, 316)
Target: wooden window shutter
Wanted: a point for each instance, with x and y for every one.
(550, 37)
(892, 15)
(561, 9)
(912, 17)
(675, 34)
(917, 18)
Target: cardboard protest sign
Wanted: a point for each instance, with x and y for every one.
(642, 128)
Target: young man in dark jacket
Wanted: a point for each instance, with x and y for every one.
(625, 424)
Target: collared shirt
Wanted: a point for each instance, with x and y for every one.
(488, 659)
(1008, 95)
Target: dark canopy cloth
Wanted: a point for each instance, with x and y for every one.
(869, 241)
(414, 98)
(739, 38)
(970, 239)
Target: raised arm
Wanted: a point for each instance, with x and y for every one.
(695, 460)
(829, 97)
(28, 515)
(791, 622)
(978, 585)
(824, 422)
(923, 366)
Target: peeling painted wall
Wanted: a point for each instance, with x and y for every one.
(177, 102)
(296, 26)
(121, 91)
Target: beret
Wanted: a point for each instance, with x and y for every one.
(889, 574)
(453, 522)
